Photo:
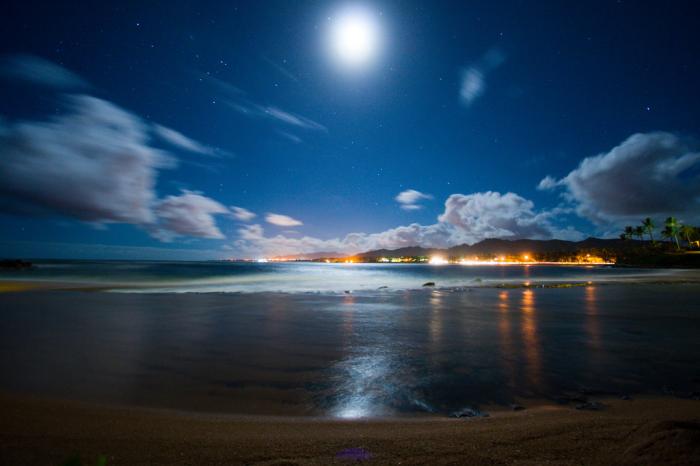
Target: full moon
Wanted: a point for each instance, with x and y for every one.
(354, 37)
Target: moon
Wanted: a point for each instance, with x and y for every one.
(355, 37)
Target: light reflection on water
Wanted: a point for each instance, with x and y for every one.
(350, 356)
(531, 340)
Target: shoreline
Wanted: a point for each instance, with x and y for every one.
(683, 277)
(642, 431)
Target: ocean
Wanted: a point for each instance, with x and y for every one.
(309, 277)
(287, 340)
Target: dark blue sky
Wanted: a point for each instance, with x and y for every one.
(466, 102)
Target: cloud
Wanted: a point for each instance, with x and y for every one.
(284, 71)
(290, 137)
(292, 119)
(648, 175)
(40, 71)
(239, 101)
(547, 183)
(277, 114)
(94, 162)
(181, 141)
(189, 214)
(242, 214)
(410, 198)
(494, 215)
(282, 220)
(473, 79)
(466, 219)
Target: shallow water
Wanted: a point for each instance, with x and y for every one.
(374, 354)
(308, 277)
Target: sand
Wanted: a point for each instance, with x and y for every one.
(642, 431)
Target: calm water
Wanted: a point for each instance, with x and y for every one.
(311, 277)
(372, 354)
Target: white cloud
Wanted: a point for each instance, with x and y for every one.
(95, 163)
(647, 175)
(177, 139)
(189, 214)
(473, 78)
(282, 220)
(466, 219)
(472, 85)
(491, 214)
(92, 163)
(410, 198)
(240, 213)
(547, 183)
(40, 71)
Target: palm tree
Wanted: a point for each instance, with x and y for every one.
(639, 232)
(648, 225)
(672, 229)
(687, 232)
(629, 232)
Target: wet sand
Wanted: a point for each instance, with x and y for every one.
(643, 431)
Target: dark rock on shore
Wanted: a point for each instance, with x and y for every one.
(14, 264)
(469, 412)
(590, 406)
(429, 284)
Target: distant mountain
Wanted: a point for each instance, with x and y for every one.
(504, 246)
(408, 251)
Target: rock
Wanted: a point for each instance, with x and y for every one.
(469, 412)
(590, 406)
(517, 407)
(348, 292)
(383, 287)
(14, 264)
(429, 284)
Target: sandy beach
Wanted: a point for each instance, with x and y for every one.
(642, 431)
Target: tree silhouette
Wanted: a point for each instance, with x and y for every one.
(648, 225)
(672, 229)
(629, 232)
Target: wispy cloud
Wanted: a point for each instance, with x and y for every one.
(290, 137)
(271, 112)
(243, 214)
(282, 220)
(40, 71)
(410, 199)
(281, 69)
(473, 79)
(177, 139)
(243, 104)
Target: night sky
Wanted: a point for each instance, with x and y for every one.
(198, 130)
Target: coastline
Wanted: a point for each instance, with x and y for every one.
(641, 431)
(659, 276)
